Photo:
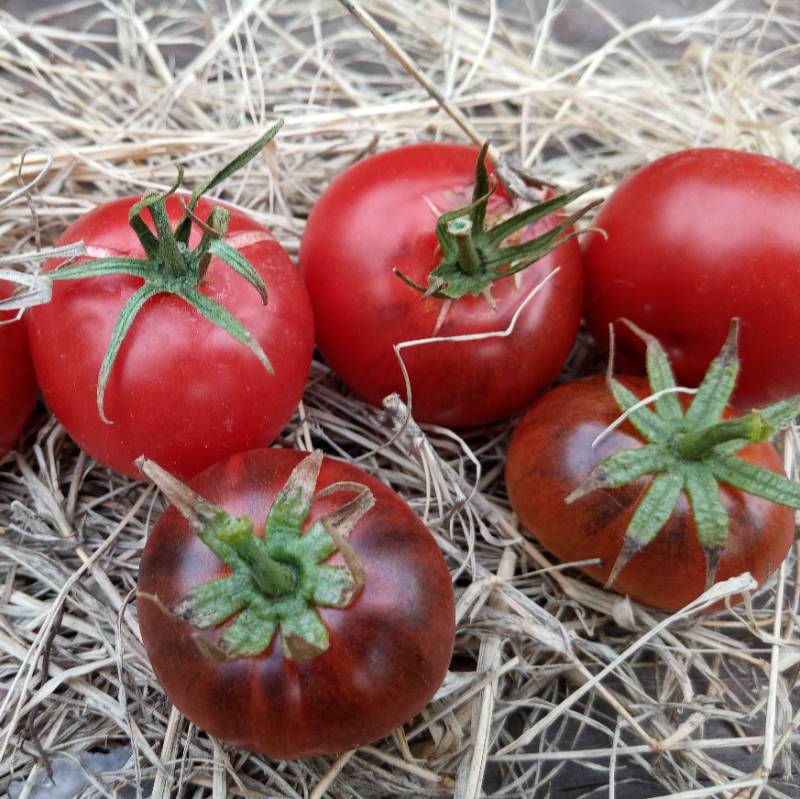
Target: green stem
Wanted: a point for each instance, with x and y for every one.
(753, 428)
(276, 582)
(468, 258)
(273, 578)
(168, 245)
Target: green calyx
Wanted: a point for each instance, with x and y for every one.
(473, 257)
(171, 267)
(690, 452)
(278, 580)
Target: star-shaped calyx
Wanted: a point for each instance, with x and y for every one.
(170, 267)
(690, 451)
(473, 256)
(278, 580)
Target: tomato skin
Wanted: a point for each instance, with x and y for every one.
(389, 651)
(694, 239)
(550, 454)
(182, 391)
(17, 380)
(376, 216)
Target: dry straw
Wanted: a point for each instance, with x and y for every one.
(557, 688)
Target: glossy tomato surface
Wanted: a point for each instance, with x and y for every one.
(695, 239)
(17, 380)
(182, 391)
(551, 453)
(389, 649)
(381, 214)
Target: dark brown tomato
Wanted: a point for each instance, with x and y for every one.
(551, 453)
(389, 649)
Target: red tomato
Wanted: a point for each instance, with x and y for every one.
(381, 214)
(389, 649)
(17, 381)
(182, 391)
(550, 454)
(695, 239)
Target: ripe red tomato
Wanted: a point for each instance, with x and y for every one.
(551, 454)
(381, 214)
(388, 651)
(182, 391)
(694, 239)
(17, 381)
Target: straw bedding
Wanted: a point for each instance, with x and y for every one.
(556, 688)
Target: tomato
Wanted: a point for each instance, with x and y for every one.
(17, 380)
(694, 239)
(381, 215)
(551, 454)
(386, 653)
(182, 390)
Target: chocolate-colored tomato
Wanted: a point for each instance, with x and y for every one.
(355, 668)
(17, 381)
(551, 454)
